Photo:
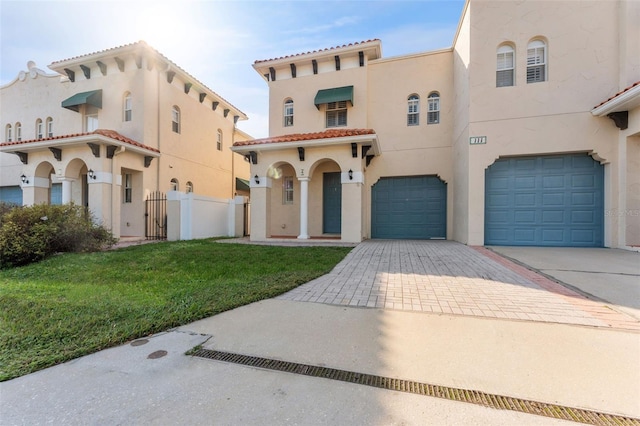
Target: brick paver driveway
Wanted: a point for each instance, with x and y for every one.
(451, 278)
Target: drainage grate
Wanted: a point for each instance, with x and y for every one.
(454, 394)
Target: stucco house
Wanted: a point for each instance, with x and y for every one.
(109, 129)
(526, 131)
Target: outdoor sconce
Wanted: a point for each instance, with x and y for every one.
(91, 174)
(350, 174)
(24, 179)
(257, 179)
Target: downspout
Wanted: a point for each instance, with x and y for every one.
(114, 187)
(158, 127)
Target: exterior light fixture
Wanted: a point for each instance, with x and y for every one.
(350, 174)
(257, 179)
(91, 174)
(24, 179)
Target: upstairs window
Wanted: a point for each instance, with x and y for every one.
(49, 127)
(433, 115)
(189, 187)
(536, 61)
(127, 107)
(174, 185)
(287, 190)
(175, 119)
(18, 132)
(39, 129)
(337, 114)
(219, 140)
(7, 134)
(288, 113)
(505, 66)
(413, 110)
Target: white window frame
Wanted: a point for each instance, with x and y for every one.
(536, 61)
(413, 110)
(219, 140)
(18, 132)
(336, 114)
(505, 66)
(8, 136)
(287, 190)
(189, 187)
(127, 107)
(174, 185)
(91, 122)
(175, 119)
(49, 127)
(128, 188)
(39, 128)
(288, 113)
(433, 114)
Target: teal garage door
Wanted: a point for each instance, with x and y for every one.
(412, 207)
(553, 200)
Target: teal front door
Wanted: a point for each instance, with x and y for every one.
(331, 203)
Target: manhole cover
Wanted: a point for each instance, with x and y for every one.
(157, 354)
(139, 342)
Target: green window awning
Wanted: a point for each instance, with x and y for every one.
(337, 94)
(94, 98)
(242, 185)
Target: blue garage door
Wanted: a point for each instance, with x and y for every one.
(413, 207)
(545, 201)
(11, 195)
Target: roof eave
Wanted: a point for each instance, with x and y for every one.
(623, 102)
(76, 140)
(274, 146)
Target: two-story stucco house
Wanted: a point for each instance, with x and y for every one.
(109, 128)
(526, 131)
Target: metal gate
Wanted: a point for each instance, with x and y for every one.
(156, 215)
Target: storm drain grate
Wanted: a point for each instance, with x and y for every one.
(453, 394)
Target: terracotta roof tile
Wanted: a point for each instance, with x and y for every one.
(637, 83)
(103, 132)
(298, 137)
(316, 51)
(141, 42)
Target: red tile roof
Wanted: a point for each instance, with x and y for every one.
(103, 132)
(618, 94)
(141, 42)
(316, 51)
(298, 137)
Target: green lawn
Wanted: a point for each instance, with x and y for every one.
(75, 304)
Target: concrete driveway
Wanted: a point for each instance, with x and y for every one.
(431, 313)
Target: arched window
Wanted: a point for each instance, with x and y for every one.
(126, 107)
(7, 133)
(288, 113)
(49, 127)
(39, 130)
(413, 110)
(189, 187)
(433, 115)
(18, 131)
(175, 119)
(536, 61)
(175, 186)
(219, 140)
(505, 70)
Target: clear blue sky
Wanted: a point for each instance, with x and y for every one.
(218, 41)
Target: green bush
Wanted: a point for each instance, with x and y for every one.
(30, 234)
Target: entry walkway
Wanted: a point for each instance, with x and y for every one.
(451, 278)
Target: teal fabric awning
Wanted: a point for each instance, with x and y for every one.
(242, 185)
(94, 98)
(336, 94)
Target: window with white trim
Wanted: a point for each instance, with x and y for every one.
(219, 140)
(175, 119)
(39, 129)
(127, 107)
(128, 187)
(18, 131)
(413, 110)
(505, 68)
(433, 113)
(288, 113)
(7, 134)
(189, 187)
(536, 61)
(174, 185)
(287, 190)
(336, 114)
(49, 127)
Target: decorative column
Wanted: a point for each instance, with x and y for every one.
(304, 208)
(66, 190)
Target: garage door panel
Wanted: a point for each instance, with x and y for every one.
(412, 207)
(559, 202)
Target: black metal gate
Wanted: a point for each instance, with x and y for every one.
(156, 215)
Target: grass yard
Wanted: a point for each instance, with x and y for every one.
(75, 304)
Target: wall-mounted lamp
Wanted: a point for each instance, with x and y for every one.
(24, 179)
(91, 174)
(257, 179)
(350, 174)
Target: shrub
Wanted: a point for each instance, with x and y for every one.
(30, 234)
